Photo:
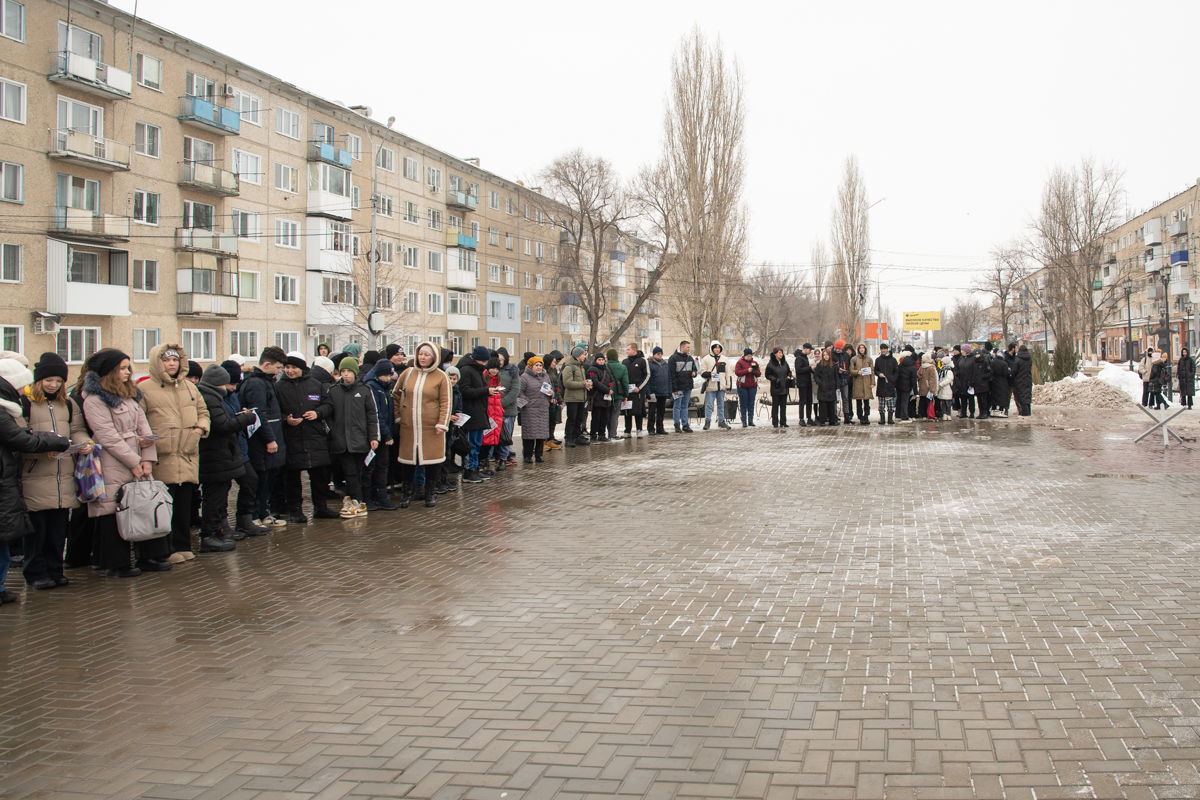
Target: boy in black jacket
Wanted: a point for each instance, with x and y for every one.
(354, 433)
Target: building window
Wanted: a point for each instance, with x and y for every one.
(76, 344)
(145, 275)
(493, 200)
(144, 340)
(411, 212)
(537, 282)
(147, 139)
(435, 219)
(12, 22)
(287, 123)
(494, 237)
(508, 206)
(354, 146)
(200, 343)
(527, 247)
(248, 167)
(463, 303)
(10, 263)
(12, 101)
(433, 176)
(456, 344)
(494, 343)
(528, 314)
(435, 261)
(412, 301)
(385, 297)
(355, 197)
(287, 234)
(243, 343)
(541, 314)
(540, 250)
(338, 291)
(286, 178)
(494, 309)
(512, 310)
(435, 302)
(245, 225)
(338, 237)
(508, 275)
(527, 280)
(84, 268)
(386, 205)
(508, 241)
(412, 170)
(385, 159)
(149, 72)
(385, 252)
(410, 256)
(12, 183)
(198, 215)
(285, 289)
(145, 207)
(329, 178)
(248, 106)
(494, 273)
(247, 285)
(287, 341)
(12, 337)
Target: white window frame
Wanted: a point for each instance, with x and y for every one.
(412, 169)
(385, 298)
(411, 256)
(144, 195)
(355, 197)
(527, 314)
(142, 341)
(539, 249)
(538, 283)
(494, 237)
(436, 261)
(206, 338)
(144, 129)
(281, 172)
(436, 303)
(138, 279)
(493, 200)
(412, 213)
(287, 288)
(412, 301)
(253, 176)
(287, 233)
(252, 114)
(7, 249)
(287, 340)
(386, 251)
(141, 60)
(494, 273)
(385, 159)
(246, 225)
(354, 146)
(19, 343)
(287, 123)
(508, 241)
(244, 343)
(387, 205)
(4, 31)
(5, 84)
(248, 280)
(433, 177)
(435, 219)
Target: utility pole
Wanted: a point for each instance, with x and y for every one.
(374, 322)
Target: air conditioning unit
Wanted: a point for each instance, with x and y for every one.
(45, 324)
(312, 332)
(226, 90)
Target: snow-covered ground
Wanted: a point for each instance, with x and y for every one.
(1118, 375)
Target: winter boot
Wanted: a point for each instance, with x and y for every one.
(246, 525)
(382, 502)
(707, 423)
(430, 495)
(371, 504)
(469, 476)
(724, 425)
(406, 490)
(228, 532)
(321, 511)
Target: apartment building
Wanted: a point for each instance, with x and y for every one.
(158, 190)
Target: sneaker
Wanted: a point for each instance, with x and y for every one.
(11, 597)
(154, 564)
(127, 572)
(472, 476)
(270, 521)
(512, 461)
(349, 508)
(43, 584)
(501, 466)
(321, 512)
(361, 510)
(188, 555)
(297, 518)
(211, 544)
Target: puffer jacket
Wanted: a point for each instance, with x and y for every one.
(117, 424)
(603, 385)
(620, 379)
(308, 442)
(927, 378)
(945, 390)
(220, 455)
(473, 389)
(660, 378)
(385, 407)
(574, 377)
(49, 483)
(906, 374)
(233, 406)
(495, 411)
(258, 394)
(719, 378)
(510, 381)
(683, 371)
(354, 424)
(981, 377)
(778, 374)
(828, 381)
(886, 368)
(175, 410)
(16, 439)
(861, 385)
(803, 372)
(747, 371)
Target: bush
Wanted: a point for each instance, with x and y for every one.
(1066, 360)
(1041, 363)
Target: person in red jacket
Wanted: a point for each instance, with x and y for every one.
(747, 372)
(495, 403)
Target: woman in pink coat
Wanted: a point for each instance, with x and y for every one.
(118, 424)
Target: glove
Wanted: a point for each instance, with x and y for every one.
(705, 375)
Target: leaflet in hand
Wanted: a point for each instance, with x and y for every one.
(75, 448)
(463, 419)
(971, 390)
(930, 395)
(546, 389)
(626, 405)
(370, 457)
(865, 371)
(253, 426)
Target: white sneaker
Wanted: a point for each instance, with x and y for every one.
(360, 510)
(349, 508)
(271, 522)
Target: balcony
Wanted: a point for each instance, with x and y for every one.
(1153, 234)
(568, 299)
(206, 292)
(85, 150)
(90, 76)
(324, 203)
(208, 115)
(460, 279)
(462, 322)
(456, 238)
(208, 179)
(202, 239)
(1155, 263)
(97, 297)
(616, 255)
(461, 201)
(1179, 257)
(569, 328)
(79, 223)
(323, 151)
(1179, 228)
(617, 279)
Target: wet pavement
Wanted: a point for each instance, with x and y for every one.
(757, 614)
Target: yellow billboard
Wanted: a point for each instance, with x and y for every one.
(922, 321)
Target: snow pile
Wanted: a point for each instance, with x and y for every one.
(1118, 375)
(1082, 392)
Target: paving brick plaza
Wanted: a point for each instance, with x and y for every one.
(964, 610)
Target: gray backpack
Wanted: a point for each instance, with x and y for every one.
(144, 510)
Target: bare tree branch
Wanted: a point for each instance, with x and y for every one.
(851, 240)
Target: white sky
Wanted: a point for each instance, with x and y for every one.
(957, 111)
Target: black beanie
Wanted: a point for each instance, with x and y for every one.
(50, 365)
(295, 361)
(370, 357)
(105, 361)
(391, 350)
(195, 370)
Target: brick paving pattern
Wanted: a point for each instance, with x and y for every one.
(746, 615)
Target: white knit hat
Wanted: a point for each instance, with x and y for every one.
(240, 359)
(325, 363)
(15, 373)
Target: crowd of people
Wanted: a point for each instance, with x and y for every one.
(380, 430)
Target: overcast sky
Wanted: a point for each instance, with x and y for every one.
(956, 111)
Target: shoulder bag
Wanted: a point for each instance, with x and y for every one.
(143, 510)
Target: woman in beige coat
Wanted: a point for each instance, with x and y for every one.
(176, 411)
(862, 383)
(927, 386)
(422, 397)
(111, 405)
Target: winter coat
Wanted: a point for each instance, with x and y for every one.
(510, 381)
(927, 379)
(964, 374)
(998, 392)
(354, 424)
(778, 374)
(716, 380)
(906, 374)
(861, 385)
(15, 439)
(828, 381)
(1022, 378)
(174, 409)
(885, 375)
(258, 394)
(842, 362)
(385, 407)
(748, 372)
(49, 483)
(1186, 371)
(574, 375)
(535, 411)
(233, 407)
(1156, 376)
(308, 442)
(620, 380)
(638, 372)
(660, 379)
(495, 411)
(603, 384)
(682, 369)
(220, 456)
(423, 410)
(323, 377)
(117, 423)
(945, 390)
(472, 386)
(803, 373)
(981, 379)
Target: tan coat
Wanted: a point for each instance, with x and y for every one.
(862, 387)
(174, 408)
(117, 424)
(423, 414)
(927, 378)
(49, 483)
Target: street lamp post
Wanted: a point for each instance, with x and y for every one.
(1128, 285)
(1166, 281)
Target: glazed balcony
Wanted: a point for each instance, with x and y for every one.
(461, 201)
(456, 238)
(189, 239)
(206, 286)
(85, 150)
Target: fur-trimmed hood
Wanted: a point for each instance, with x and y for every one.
(91, 385)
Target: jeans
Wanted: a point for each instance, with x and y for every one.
(476, 440)
(506, 450)
(679, 413)
(847, 402)
(717, 397)
(266, 482)
(746, 403)
(614, 417)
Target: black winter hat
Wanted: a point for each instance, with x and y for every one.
(370, 357)
(748, 351)
(103, 362)
(195, 370)
(391, 350)
(50, 365)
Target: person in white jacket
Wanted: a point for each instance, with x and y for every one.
(945, 390)
(716, 375)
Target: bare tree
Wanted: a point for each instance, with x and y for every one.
(703, 165)
(851, 240)
(965, 319)
(1000, 281)
(348, 296)
(819, 324)
(770, 307)
(591, 206)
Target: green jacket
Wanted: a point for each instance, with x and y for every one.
(621, 373)
(574, 375)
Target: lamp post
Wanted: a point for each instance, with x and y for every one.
(1128, 286)
(1166, 280)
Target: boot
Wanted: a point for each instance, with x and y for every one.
(227, 532)
(406, 489)
(370, 501)
(724, 425)
(430, 495)
(246, 525)
(382, 502)
(707, 423)
(215, 544)
(583, 441)
(469, 476)
(321, 511)
(891, 420)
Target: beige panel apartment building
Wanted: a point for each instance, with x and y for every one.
(157, 190)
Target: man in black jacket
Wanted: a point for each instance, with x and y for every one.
(268, 453)
(682, 368)
(964, 382)
(982, 379)
(475, 392)
(885, 383)
(841, 360)
(354, 433)
(220, 460)
(304, 404)
(906, 383)
(639, 375)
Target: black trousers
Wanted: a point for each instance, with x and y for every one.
(374, 476)
(658, 412)
(862, 408)
(182, 495)
(600, 419)
(827, 411)
(80, 536)
(982, 399)
(847, 401)
(351, 464)
(112, 552)
(805, 411)
(779, 409)
(967, 405)
(215, 508)
(1145, 393)
(247, 492)
(533, 447)
(318, 487)
(902, 405)
(631, 419)
(44, 547)
(575, 416)
(1000, 400)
